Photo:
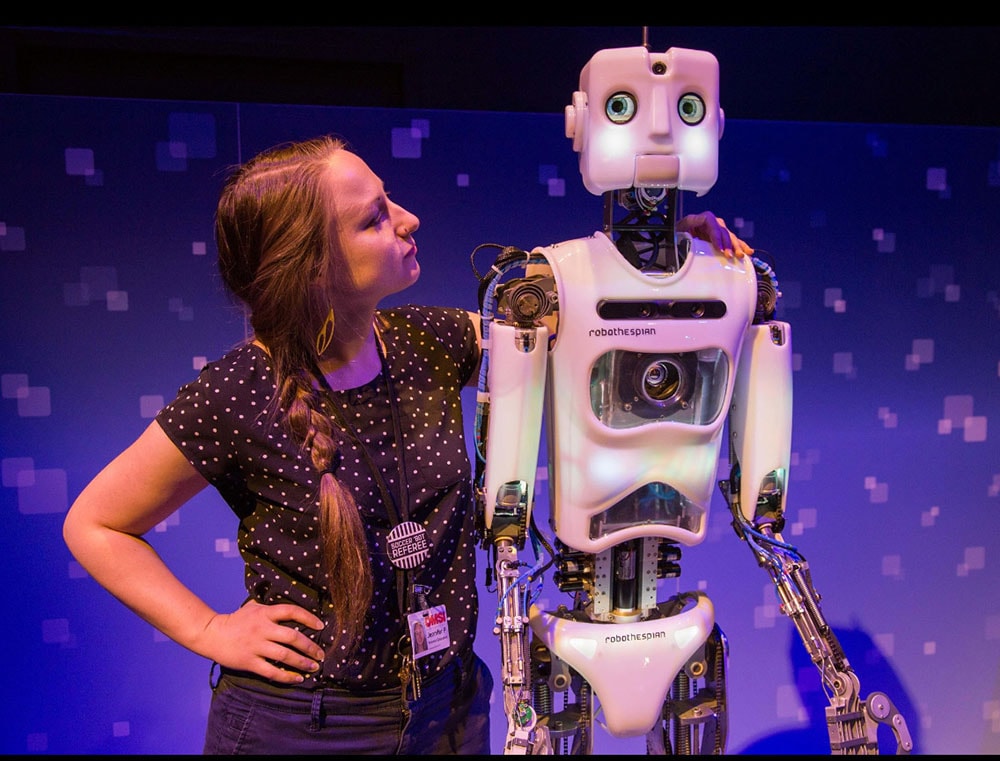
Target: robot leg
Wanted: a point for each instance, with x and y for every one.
(694, 713)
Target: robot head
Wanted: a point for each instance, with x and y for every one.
(643, 119)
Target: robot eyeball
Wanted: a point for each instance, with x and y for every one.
(691, 108)
(620, 107)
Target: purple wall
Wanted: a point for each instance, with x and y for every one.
(885, 242)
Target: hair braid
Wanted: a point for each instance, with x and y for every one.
(346, 558)
(272, 232)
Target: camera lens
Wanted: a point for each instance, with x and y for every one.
(661, 381)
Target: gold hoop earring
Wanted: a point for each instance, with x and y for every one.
(325, 335)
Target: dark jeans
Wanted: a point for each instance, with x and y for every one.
(252, 716)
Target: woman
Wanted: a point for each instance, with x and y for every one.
(335, 435)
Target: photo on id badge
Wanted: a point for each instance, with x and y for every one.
(429, 630)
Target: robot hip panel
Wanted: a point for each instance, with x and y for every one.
(650, 652)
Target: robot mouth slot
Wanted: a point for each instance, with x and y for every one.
(679, 309)
(655, 504)
(652, 170)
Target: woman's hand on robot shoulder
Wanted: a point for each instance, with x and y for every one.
(256, 638)
(713, 229)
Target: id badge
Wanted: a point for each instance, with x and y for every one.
(429, 630)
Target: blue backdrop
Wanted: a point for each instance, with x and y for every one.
(885, 242)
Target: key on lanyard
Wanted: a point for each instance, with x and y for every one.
(409, 676)
(416, 681)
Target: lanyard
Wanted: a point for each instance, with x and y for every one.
(408, 539)
(398, 509)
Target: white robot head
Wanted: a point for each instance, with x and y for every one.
(643, 119)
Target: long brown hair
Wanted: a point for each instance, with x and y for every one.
(272, 229)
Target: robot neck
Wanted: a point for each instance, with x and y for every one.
(641, 223)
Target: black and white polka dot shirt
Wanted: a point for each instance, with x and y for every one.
(221, 423)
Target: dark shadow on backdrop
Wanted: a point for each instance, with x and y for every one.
(874, 672)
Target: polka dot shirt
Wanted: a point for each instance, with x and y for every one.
(221, 422)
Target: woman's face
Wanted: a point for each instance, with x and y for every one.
(374, 233)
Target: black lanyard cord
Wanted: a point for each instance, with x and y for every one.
(397, 511)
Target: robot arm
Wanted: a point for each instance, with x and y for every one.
(760, 434)
(760, 416)
(511, 399)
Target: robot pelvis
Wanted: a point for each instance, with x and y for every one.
(650, 652)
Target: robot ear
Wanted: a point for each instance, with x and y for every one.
(722, 121)
(576, 119)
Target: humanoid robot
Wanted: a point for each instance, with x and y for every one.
(638, 346)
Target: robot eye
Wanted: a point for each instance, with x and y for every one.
(691, 108)
(620, 107)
